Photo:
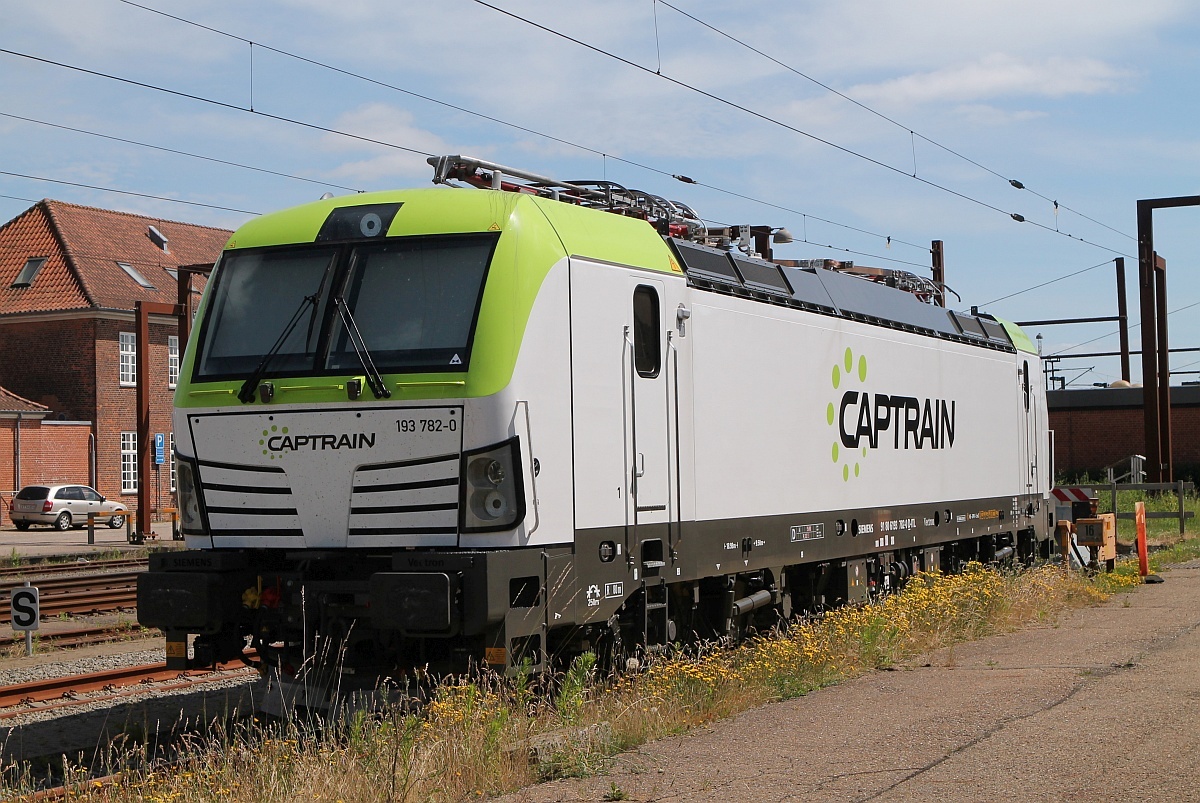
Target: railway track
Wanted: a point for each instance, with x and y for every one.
(80, 637)
(116, 683)
(17, 575)
(107, 591)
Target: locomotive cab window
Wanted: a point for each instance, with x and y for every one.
(647, 356)
(410, 303)
(263, 304)
(414, 301)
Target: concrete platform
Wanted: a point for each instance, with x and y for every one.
(1102, 705)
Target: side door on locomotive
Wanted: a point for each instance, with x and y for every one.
(625, 389)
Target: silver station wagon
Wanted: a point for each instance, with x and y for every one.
(63, 507)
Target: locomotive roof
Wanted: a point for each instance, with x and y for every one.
(578, 231)
(432, 211)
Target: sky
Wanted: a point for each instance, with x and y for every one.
(868, 128)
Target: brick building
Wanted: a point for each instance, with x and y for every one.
(1097, 427)
(34, 449)
(69, 278)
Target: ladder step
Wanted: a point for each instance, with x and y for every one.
(655, 606)
(653, 564)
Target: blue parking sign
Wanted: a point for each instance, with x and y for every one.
(160, 448)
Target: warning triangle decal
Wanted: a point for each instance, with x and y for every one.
(455, 360)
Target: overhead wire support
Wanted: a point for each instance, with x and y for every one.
(774, 121)
(1111, 334)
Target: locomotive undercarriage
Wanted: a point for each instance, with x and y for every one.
(341, 621)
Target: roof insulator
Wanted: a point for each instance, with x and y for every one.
(1018, 218)
(1016, 184)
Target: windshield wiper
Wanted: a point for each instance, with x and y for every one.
(374, 378)
(246, 394)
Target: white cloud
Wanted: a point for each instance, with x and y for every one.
(385, 123)
(996, 76)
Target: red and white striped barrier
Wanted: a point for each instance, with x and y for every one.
(1074, 493)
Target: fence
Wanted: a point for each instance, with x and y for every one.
(1180, 488)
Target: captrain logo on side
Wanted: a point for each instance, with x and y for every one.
(866, 420)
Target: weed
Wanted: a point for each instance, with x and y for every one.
(484, 735)
(615, 793)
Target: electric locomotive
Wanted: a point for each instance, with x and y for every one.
(508, 421)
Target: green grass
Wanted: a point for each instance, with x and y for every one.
(1156, 529)
(483, 735)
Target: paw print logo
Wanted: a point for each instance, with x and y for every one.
(844, 373)
(266, 434)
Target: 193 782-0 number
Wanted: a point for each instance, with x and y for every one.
(427, 425)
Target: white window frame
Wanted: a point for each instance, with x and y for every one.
(136, 275)
(128, 366)
(129, 463)
(172, 360)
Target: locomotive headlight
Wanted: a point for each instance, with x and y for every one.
(493, 490)
(489, 505)
(191, 506)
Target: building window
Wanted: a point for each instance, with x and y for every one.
(171, 457)
(129, 467)
(133, 274)
(128, 358)
(172, 360)
(29, 272)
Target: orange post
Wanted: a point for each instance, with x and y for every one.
(1139, 515)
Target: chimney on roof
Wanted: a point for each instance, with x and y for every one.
(158, 238)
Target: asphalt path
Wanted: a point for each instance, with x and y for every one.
(40, 541)
(1101, 705)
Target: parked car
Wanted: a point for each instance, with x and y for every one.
(63, 507)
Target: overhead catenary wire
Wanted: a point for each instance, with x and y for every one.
(179, 152)
(305, 124)
(1044, 284)
(787, 126)
(912, 133)
(515, 126)
(214, 102)
(149, 263)
(127, 192)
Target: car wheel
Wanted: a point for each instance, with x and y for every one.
(116, 522)
(63, 522)
(22, 525)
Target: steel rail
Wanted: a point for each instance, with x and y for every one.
(63, 690)
(8, 574)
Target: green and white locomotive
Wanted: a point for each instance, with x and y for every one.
(440, 428)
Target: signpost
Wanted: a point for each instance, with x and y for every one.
(26, 612)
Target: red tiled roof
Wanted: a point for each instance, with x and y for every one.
(84, 244)
(12, 403)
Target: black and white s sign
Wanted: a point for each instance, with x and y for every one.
(25, 608)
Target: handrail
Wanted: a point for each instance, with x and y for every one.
(537, 518)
